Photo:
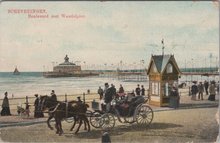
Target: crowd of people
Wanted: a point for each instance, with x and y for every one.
(37, 106)
(108, 93)
(210, 88)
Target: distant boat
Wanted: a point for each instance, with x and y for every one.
(16, 72)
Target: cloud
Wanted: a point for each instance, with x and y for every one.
(110, 32)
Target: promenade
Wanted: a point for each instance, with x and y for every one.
(193, 121)
(185, 103)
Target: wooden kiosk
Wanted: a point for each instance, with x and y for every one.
(163, 74)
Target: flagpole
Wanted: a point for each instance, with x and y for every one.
(162, 46)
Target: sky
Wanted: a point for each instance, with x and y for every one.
(108, 33)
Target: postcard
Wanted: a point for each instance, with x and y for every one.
(109, 71)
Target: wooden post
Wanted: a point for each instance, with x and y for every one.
(27, 106)
(84, 100)
(65, 97)
(26, 100)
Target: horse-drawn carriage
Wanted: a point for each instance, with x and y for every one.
(128, 110)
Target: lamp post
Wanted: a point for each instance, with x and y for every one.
(121, 64)
(216, 64)
(210, 57)
(192, 70)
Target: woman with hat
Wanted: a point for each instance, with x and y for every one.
(5, 106)
(212, 91)
(37, 110)
(36, 106)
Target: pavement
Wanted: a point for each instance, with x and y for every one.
(185, 103)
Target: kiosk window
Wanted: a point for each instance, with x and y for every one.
(169, 68)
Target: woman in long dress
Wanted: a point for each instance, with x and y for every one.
(5, 106)
(212, 92)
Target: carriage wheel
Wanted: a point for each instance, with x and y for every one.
(144, 115)
(96, 120)
(108, 120)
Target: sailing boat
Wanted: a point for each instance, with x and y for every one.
(16, 72)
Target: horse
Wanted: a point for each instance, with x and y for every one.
(60, 110)
(46, 102)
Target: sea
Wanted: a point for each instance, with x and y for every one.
(30, 83)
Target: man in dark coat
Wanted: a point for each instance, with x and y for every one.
(142, 90)
(53, 95)
(206, 84)
(79, 101)
(106, 137)
(110, 92)
(138, 90)
(5, 106)
(194, 91)
(100, 92)
(37, 108)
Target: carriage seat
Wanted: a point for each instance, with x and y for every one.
(136, 100)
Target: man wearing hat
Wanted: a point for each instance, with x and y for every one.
(138, 90)
(110, 92)
(201, 90)
(36, 106)
(194, 91)
(53, 95)
(79, 100)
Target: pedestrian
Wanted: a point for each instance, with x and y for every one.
(142, 90)
(100, 92)
(201, 90)
(121, 92)
(138, 90)
(79, 101)
(194, 91)
(105, 137)
(121, 89)
(27, 109)
(113, 90)
(53, 95)
(36, 106)
(212, 91)
(174, 98)
(38, 113)
(102, 102)
(217, 119)
(5, 106)
(109, 96)
(206, 85)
